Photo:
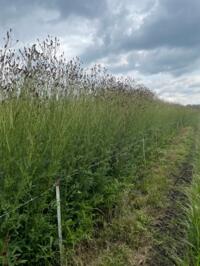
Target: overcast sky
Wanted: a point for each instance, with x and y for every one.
(154, 41)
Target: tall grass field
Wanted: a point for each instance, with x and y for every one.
(94, 133)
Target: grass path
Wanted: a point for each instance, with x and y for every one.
(192, 254)
(148, 227)
(169, 229)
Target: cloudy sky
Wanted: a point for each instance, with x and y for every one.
(157, 42)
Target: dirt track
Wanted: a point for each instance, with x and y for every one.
(169, 228)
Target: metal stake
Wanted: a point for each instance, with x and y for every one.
(59, 222)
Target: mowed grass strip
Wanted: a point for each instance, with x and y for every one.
(192, 256)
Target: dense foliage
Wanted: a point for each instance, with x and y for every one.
(93, 145)
(92, 131)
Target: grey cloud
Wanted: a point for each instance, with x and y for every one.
(175, 61)
(171, 26)
(14, 9)
(166, 31)
(11, 10)
(174, 23)
(31, 19)
(86, 8)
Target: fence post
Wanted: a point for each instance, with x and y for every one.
(59, 220)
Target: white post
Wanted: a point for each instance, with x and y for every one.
(59, 222)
